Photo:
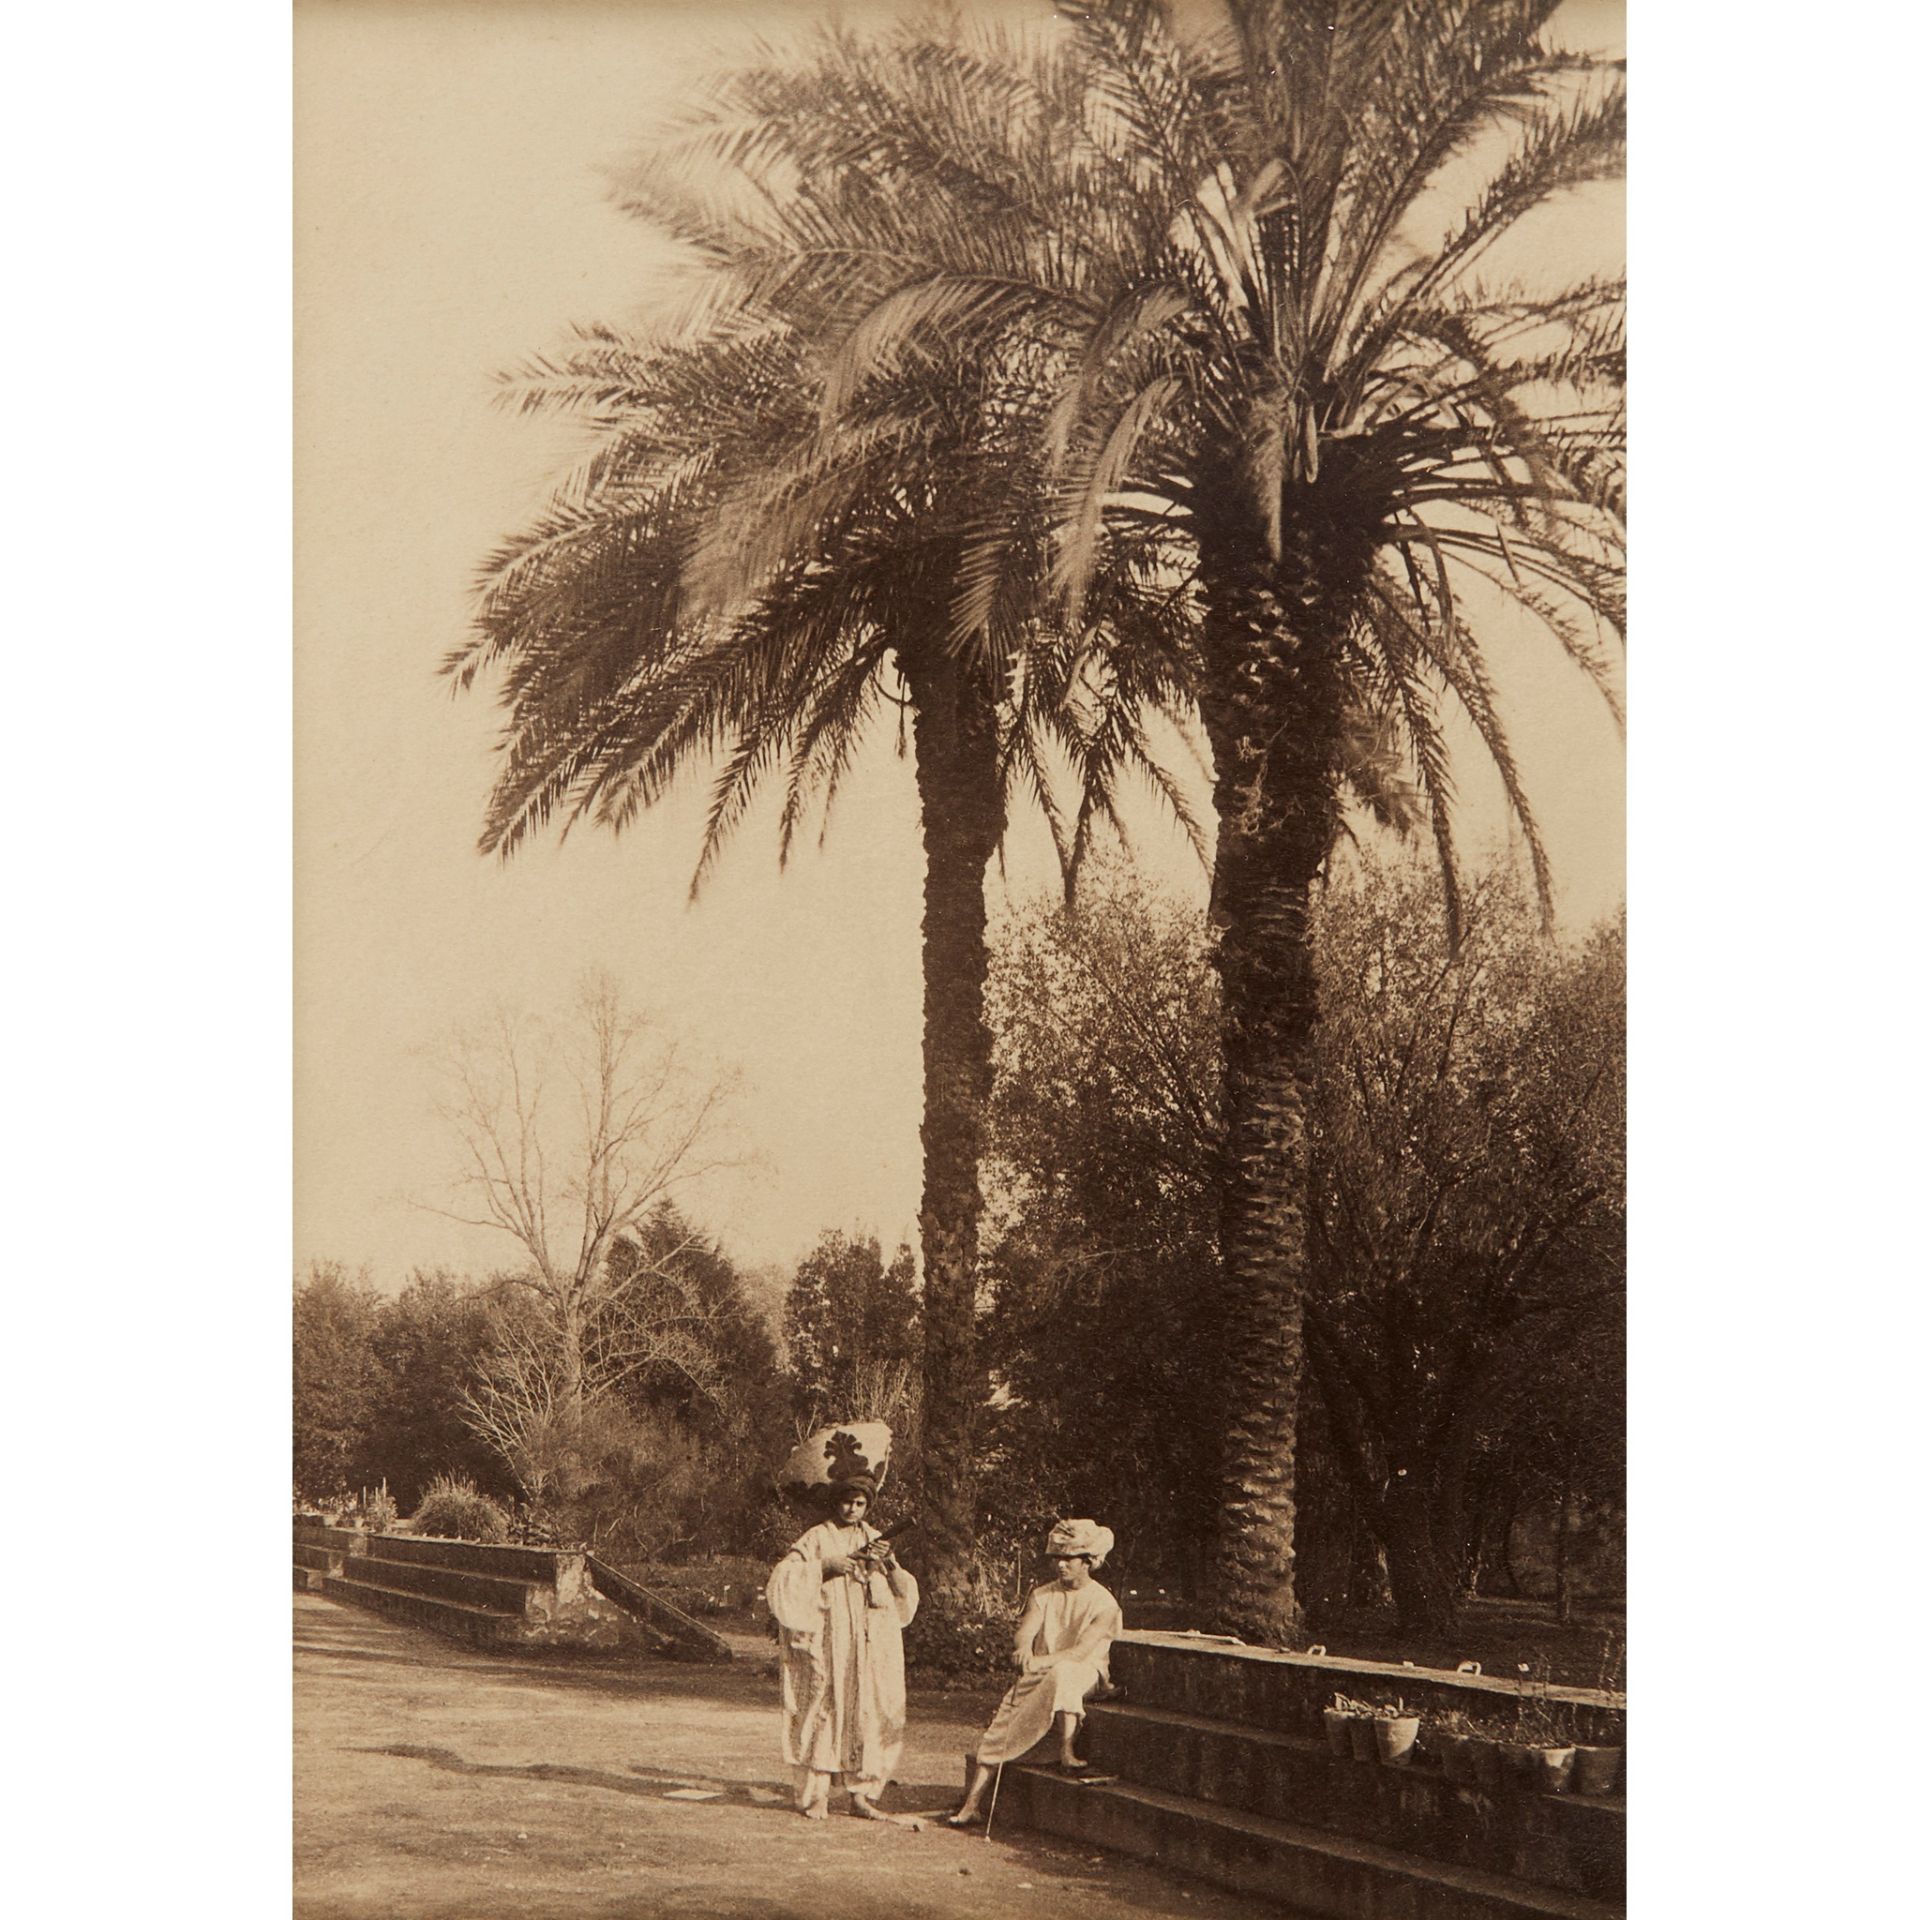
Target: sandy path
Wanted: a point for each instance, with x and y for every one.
(432, 1782)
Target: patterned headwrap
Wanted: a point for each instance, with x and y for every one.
(1081, 1536)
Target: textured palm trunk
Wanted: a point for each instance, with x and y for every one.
(962, 817)
(1271, 703)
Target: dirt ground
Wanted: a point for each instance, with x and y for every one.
(436, 1782)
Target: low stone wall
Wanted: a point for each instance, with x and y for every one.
(1548, 1840)
(541, 1599)
(1257, 1687)
(564, 1571)
(1214, 1761)
(321, 1533)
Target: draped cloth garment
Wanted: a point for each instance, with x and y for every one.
(1076, 1629)
(843, 1677)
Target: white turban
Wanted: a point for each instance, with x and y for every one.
(1081, 1536)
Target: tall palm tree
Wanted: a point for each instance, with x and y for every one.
(720, 576)
(1201, 269)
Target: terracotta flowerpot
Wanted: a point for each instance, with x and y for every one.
(1338, 1725)
(1553, 1768)
(1596, 1769)
(1393, 1739)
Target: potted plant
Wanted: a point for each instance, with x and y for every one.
(1338, 1721)
(1596, 1769)
(1447, 1736)
(1546, 1735)
(1395, 1729)
(1486, 1756)
(1516, 1762)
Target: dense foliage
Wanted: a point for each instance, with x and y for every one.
(377, 1385)
(1467, 1225)
(1104, 1274)
(664, 1451)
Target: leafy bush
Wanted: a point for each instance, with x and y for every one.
(963, 1636)
(455, 1509)
(961, 1644)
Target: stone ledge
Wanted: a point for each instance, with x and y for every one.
(480, 1625)
(598, 1633)
(541, 1566)
(1259, 1687)
(514, 1599)
(318, 1533)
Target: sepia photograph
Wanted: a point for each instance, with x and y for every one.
(959, 1002)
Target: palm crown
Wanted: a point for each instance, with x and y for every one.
(1199, 277)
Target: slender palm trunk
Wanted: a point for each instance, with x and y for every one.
(962, 816)
(1271, 702)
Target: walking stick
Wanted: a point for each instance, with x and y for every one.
(994, 1799)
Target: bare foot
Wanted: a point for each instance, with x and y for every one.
(960, 1817)
(1073, 1763)
(813, 1813)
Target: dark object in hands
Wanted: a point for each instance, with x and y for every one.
(877, 1555)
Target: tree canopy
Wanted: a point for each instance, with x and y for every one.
(1464, 1299)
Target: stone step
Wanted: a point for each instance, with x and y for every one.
(519, 1599)
(1303, 1870)
(319, 1559)
(1287, 1692)
(592, 1629)
(1565, 1841)
(480, 1626)
(308, 1579)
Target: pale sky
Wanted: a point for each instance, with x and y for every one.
(451, 219)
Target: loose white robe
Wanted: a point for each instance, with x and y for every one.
(1075, 1631)
(843, 1676)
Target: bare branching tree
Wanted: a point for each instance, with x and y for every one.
(514, 1401)
(571, 1135)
